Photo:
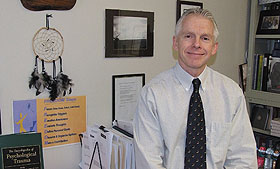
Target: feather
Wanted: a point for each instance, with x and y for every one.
(36, 82)
(39, 81)
(61, 83)
(53, 90)
(34, 78)
(64, 84)
(46, 79)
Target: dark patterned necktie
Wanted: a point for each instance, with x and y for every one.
(195, 151)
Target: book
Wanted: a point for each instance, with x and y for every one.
(265, 71)
(273, 84)
(260, 117)
(275, 134)
(255, 70)
(275, 122)
(21, 151)
(259, 72)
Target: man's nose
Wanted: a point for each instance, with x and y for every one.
(196, 43)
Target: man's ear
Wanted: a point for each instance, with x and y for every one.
(215, 48)
(175, 43)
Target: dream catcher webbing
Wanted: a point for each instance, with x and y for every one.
(48, 46)
(48, 43)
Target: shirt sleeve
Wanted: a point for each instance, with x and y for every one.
(148, 140)
(242, 147)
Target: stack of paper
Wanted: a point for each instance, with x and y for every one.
(275, 127)
(104, 148)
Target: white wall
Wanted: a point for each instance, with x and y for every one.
(83, 31)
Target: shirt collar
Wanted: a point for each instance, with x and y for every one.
(186, 79)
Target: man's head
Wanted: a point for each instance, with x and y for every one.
(195, 40)
(199, 11)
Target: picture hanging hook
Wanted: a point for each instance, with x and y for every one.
(47, 20)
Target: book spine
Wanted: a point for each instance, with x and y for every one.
(259, 73)
(274, 122)
(255, 70)
(265, 71)
(275, 134)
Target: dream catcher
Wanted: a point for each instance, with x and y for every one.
(48, 47)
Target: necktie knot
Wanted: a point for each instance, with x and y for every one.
(196, 83)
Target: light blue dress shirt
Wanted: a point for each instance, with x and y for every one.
(161, 119)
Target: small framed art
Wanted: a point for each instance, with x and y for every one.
(129, 33)
(182, 6)
(269, 22)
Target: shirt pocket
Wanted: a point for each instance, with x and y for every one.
(217, 140)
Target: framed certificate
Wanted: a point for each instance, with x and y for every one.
(126, 91)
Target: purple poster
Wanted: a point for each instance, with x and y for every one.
(25, 116)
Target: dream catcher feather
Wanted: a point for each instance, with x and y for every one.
(61, 83)
(48, 47)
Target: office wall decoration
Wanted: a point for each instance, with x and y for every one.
(269, 22)
(126, 89)
(48, 46)
(129, 33)
(40, 5)
(182, 6)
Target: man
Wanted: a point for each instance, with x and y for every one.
(161, 119)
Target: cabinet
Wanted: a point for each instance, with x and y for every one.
(259, 44)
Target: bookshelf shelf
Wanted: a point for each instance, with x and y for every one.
(267, 132)
(261, 97)
(267, 36)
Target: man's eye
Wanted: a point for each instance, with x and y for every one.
(187, 36)
(206, 38)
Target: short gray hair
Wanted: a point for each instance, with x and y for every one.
(198, 11)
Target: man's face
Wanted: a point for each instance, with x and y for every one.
(195, 43)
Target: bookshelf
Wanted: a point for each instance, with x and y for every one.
(259, 44)
(260, 100)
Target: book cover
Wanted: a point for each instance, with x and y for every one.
(260, 117)
(21, 151)
(274, 75)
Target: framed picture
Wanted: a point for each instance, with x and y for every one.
(269, 22)
(129, 33)
(243, 75)
(126, 90)
(182, 6)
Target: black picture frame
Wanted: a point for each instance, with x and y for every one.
(129, 33)
(114, 88)
(269, 22)
(183, 5)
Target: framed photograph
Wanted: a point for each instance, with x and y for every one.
(243, 75)
(269, 22)
(126, 90)
(129, 33)
(182, 6)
